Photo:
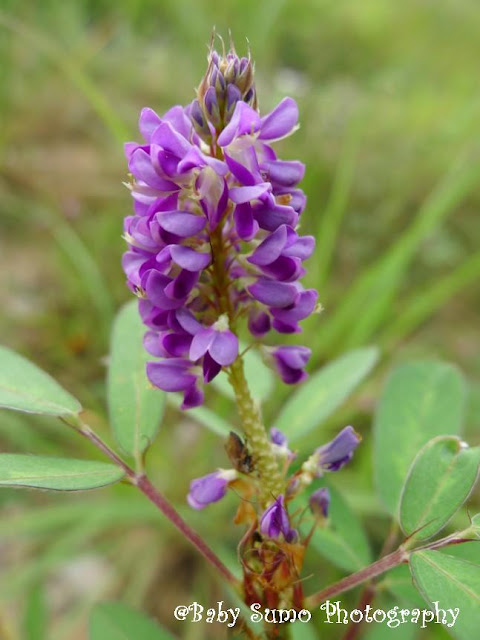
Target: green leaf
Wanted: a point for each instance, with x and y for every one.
(25, 387)
(203, 416)
(35, 616)
(343, 542)
(440, 480)
(421, 400)
(60, 474)
(325, 391)
(452, 583)
(260, 377)
(135, 407)
(399, 582)
(116, 621)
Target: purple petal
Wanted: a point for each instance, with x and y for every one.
(284, 269)
(211, 368)
(189, 259)
(166, 137)
(181, 223)
(239, 195)
(259, 323)
(187, 321)
(208, 489)
(155, 285)
(320, 502)
(181, 286)
(277, 437)
(148, 122)
(244, 120)
(201, 343)
(171, 375)
(224, 348)
(279, 122)
(302, 307)
(177, 344)
(245, 225)
(193, 397)
(287, 173)
(273, 294)
(271, 248)
(301, 248)
(336, 453)
(271, 216)
(140, 165)
(152, 344)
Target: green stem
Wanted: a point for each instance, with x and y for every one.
(271, 482)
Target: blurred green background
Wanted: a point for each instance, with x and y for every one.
(389, 97)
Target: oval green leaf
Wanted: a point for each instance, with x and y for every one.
(325, 391)
(421, 400)
(135, 407)
(58, 474)
(440, 480)
(343, 541)
(25, 387)
(116, 621)
(452, 583)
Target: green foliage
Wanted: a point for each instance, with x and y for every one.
(440, 480)
(324, 392)
(421, 400)
(25, 387)
(58, 474)
(453, 583)
(35, 616)
(116, 621)
(135, 407)
(343, 541)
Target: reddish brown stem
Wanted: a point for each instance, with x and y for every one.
(377, 568)
(158, 499)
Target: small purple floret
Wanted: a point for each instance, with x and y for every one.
(209, 488)
(320, 502)
(275, 523)
(335, 454)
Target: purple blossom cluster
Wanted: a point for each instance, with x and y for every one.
(214, 234)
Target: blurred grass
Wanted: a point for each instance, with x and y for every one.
(389, 99)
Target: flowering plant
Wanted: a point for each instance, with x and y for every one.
(215, 259)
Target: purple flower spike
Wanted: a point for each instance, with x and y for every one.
(320, 502)
(210, 488)
(274, 522)
(290, 362)
(215, 227)
(336, 453)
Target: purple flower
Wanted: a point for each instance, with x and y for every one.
(210, 488)
(336, 453)
(213, 237)
(217, 345)
(320, 502)
(278, 438)
(275, 523)
(280, 443)
(290, 362)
